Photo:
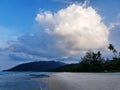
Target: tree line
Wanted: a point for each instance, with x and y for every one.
(94, 62)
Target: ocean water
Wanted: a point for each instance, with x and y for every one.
(78, 81)
(22, 81)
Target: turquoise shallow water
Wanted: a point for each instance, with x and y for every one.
(21, 81)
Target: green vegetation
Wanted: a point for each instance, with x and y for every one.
(94, 62)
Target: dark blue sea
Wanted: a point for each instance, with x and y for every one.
(22, 81)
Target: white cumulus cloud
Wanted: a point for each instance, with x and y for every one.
(113, 25)
(65, 35)
(73, 29)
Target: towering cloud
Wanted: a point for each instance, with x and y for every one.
(73, 29)
(61, 35)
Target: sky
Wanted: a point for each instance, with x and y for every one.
(61, 30)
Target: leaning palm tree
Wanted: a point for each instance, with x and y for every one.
(111, 47)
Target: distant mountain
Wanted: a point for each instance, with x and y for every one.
(37, 66)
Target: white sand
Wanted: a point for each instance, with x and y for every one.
(84, 81)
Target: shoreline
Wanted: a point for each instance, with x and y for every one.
(82, 81)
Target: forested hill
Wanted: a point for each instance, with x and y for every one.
(37, 66)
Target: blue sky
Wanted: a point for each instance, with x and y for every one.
(19, 16)
(21, 31)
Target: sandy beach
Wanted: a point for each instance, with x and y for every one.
(83, 81)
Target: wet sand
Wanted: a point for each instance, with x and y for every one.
(83, 81)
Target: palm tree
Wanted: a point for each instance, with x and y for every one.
(111, 47)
